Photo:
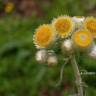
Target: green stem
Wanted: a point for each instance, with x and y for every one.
(77, 76)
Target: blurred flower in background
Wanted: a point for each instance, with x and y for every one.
(47, 8)
(9, 7)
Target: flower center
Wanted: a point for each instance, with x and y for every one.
(83, 37)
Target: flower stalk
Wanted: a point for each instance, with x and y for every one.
(77, 76)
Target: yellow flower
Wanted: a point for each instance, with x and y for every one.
(82, 38)
(44, 36)
(90, 25)
(9, 7)
(63, 25)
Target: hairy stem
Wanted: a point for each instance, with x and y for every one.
(77, 76)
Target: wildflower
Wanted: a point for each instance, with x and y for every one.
(82, 38)
(9, 7)
(44, 36)
(63, 25)
(90, 25)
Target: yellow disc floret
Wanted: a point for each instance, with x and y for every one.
(90, 24)
(63, 25)
(44, 36)
(82, 38)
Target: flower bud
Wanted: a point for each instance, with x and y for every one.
(52, 60)
(67, 46)
(41, 56)
(92, 53)
(78, 21)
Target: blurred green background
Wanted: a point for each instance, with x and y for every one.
(20, 74)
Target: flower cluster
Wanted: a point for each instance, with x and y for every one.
(75, 33)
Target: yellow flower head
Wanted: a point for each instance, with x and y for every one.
(90, 25)
(9, 7)
(44, 36)
(82, 38)
(63, 26)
